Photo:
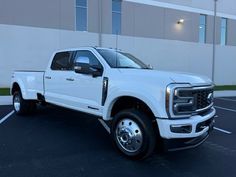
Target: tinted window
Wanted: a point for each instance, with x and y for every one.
(116, 16)
(82, 3)
(81, 15)
(223, 34)
(202, 29)
(117, 59)
(61, 61)
(83, 55)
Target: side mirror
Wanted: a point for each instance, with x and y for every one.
(96, 71)
(82, 66)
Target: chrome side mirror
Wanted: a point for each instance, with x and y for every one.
(82, 66)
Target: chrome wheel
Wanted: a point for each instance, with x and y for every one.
(17, 102)
(129, 135)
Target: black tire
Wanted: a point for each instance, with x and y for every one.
(149, 136)
(21, 106)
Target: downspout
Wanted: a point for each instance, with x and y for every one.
(214, 42)
(100, 23)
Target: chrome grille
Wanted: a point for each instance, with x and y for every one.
(184, 100)
(202, 99)
(200, 96)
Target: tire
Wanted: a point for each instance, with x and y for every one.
(133, 134)
(22, 106)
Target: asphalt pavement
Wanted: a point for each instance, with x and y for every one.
(60, 142)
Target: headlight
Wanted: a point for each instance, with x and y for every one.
(183, 102)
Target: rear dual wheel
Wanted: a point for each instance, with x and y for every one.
(22, 106)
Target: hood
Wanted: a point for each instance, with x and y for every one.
(167, 77)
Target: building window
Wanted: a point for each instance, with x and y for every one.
(202, 29)
(223, 34)
(81, 15)
(116, 16)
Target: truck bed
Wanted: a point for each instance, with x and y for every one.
(33, 82)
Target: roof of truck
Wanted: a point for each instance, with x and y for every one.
(86, 48)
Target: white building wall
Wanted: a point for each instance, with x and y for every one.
(166, 54)
(225, 68)
(30, 48)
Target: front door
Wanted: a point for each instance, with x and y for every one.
(87, 90)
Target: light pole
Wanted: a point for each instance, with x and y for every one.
(214, 42)
(100, 23)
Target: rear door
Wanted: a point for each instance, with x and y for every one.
(57, 78)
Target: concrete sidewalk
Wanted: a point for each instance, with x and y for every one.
(7, 100)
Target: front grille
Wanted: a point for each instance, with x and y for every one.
(202, 98)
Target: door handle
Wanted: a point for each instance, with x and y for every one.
(69, 79)
(48, 77)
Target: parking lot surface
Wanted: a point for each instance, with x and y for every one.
(64, 143)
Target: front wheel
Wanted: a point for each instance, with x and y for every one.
(133, 134)
(22, 106)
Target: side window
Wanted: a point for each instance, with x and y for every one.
(83, 56)
(62, 61)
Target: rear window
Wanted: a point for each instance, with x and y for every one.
(62, 61)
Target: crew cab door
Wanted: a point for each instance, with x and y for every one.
(80, 91)
(56, 79)
(87, 87)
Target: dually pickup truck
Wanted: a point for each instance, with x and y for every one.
(143, 108)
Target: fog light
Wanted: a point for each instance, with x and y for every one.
(181, 128)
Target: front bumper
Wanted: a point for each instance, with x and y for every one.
(185, 143)
(200, 126)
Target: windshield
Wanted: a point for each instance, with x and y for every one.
(117, 59)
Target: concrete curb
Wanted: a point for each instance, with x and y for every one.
(5, 100)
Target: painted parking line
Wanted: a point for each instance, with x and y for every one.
(226, 99)
(222, 130)
(6, 117)
(105, 125)
(226, 109)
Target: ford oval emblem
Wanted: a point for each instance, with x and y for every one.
(210, 98)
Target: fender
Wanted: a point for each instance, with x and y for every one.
(148, 99)
(22, 87)
(25, 94)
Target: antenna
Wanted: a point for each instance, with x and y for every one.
(116, 40)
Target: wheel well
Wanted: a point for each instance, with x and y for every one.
(128, 102)
(15, 88)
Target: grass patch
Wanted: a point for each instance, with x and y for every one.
(4, 91)
(225, 87)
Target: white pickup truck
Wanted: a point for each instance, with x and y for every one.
(143, 108)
